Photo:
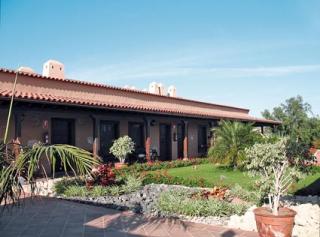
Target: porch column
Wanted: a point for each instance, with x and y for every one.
(185, 140)
(147, 122)
(262, 129)
(95, 137)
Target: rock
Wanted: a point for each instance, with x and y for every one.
(144, 201)
(245, 222)
(307, 220)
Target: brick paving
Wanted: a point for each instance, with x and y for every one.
(50, 217)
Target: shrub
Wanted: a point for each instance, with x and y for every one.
(98, 191)
(104, 175)
(249, 196)
(162, 177)
(122, 147)
(74, 189)
(271, 163)
(316, 143)
(180, 202)
(60, 186)
(137, 168)
(298, 154)
(132, 184)
(115, 190)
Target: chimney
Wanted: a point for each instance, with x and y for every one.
(153, 87)
(162, 90)
(172, 91)
(53, 68)
(157, 88)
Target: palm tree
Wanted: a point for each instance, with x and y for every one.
(231, 140)
(25, 165)
(28, 162)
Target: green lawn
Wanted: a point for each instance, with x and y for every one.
(219, 175)
(214, 175)
(308, 179)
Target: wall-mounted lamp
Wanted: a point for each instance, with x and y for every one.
(152, 122)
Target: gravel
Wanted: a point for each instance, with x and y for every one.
(144, 201)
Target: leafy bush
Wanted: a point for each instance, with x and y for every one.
(249, 196)
(132, 184)
(76, 191)
(180, 202)
(98, 191)
(298, 153)
(115, 190)
(316, 143)
(162, 177)
(104, 175)
(122, 147)
(137, 168)
(60, 186)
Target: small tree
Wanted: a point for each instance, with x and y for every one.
(122, 147)
(269, 161)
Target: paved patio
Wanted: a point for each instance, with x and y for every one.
(49, 217)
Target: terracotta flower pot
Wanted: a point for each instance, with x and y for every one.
(119, 165)
(269, 225)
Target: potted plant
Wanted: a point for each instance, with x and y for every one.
(121, 148)
(270, 163)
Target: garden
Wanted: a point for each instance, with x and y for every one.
(245, 177)
(209, 190)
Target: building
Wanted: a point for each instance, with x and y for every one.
(52, 109)
(316, 154)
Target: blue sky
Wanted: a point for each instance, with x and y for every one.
(252, 54)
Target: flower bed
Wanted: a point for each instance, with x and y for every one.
(137, 168)
(162, 177)
(160, 200)
(76, 187)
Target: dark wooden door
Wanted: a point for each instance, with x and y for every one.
(165, 142)
(180, 138)
(202, 140)
(109, 131)
(136, 132)
(137, 135)
(62, 132)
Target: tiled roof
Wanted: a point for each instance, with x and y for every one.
(35, 87)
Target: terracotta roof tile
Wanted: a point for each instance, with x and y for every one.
(35, 87)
